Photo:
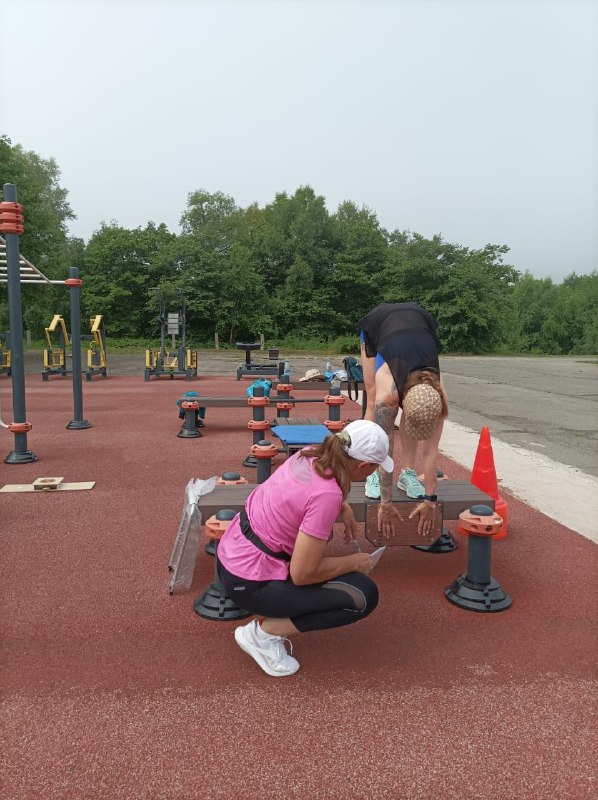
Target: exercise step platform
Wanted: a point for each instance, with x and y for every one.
(296, 437)
(455, 496)
(272, 367)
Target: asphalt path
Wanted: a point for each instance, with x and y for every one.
(544, 405)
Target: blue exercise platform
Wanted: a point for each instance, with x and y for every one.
(294, 437)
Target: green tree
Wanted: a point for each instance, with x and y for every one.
(118, 270)
(468, 291)
(291, 228)
(533, 301)
(473, 305)
(213, 264)
(359, 261)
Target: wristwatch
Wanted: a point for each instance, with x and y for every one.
(432, 498)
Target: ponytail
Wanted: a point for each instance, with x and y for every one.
(331, 460)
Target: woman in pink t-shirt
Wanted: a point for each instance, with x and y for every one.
(271, 559)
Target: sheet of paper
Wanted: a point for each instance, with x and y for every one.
(377, 554)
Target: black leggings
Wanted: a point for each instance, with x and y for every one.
(339, 601)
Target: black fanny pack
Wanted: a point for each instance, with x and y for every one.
(256, 541)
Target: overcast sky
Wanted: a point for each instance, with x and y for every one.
(475, 120)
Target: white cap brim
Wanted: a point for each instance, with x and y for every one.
(388, 464)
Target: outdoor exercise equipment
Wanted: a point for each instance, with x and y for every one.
(305, 431)
(58, 350)
(56, 353)
(14, 270)
(213, 602)
(476, 589)
(193, 415)
(226, 479)
(264, 451)
(445, 542)
(455, 496)
(179, 360)
(5, 353)
(96, 353)
(296, 437)
(273, 367)
(229, 493)
(405, 532)
(11, 226)
(258, 423)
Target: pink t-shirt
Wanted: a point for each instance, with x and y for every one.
(294, 498)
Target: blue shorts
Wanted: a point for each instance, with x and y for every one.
(379, 360)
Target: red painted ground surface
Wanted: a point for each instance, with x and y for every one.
(114, 689)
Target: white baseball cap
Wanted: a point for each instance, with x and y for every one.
(368, 442)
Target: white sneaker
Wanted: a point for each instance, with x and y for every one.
(270, 653)
(372, 486)
(409, 483)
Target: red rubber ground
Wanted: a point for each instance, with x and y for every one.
(114, 689)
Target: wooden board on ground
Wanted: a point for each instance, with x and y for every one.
(62, 487)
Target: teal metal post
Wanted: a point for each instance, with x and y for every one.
(20, 455)
(74, 283)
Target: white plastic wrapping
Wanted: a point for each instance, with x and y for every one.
(186, 543)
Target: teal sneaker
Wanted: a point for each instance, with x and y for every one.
(372, 486)
(409, 483)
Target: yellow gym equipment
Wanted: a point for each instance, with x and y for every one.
(96, 354)
(5, 368)
(172, 361)
(55, 354)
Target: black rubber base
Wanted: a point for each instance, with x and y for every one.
(78, 424)
(476, 597)
(211, 547)
(444, 544)
(187, 433)
(214, 604)
(250, 461)
(20, 458)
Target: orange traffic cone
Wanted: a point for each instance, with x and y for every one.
(484, 477)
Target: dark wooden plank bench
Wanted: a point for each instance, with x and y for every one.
(318, 386)
(296, 421)
(207, 401)
(456, 496)
(240, 401)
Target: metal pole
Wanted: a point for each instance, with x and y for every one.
(20, 455)
(74, 283)
(162, 325)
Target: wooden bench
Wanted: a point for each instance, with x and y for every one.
(207, 401)
(456, 496)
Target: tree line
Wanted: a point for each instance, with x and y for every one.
(290, 270)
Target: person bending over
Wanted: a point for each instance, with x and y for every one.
(271, 559)
(399, 357)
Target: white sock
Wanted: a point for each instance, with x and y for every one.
(261, 633)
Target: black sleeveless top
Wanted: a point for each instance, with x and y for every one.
(405, 336)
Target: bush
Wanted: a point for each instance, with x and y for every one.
(347, 345)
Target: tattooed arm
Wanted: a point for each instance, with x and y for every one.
(386, 413)
(385, 417)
